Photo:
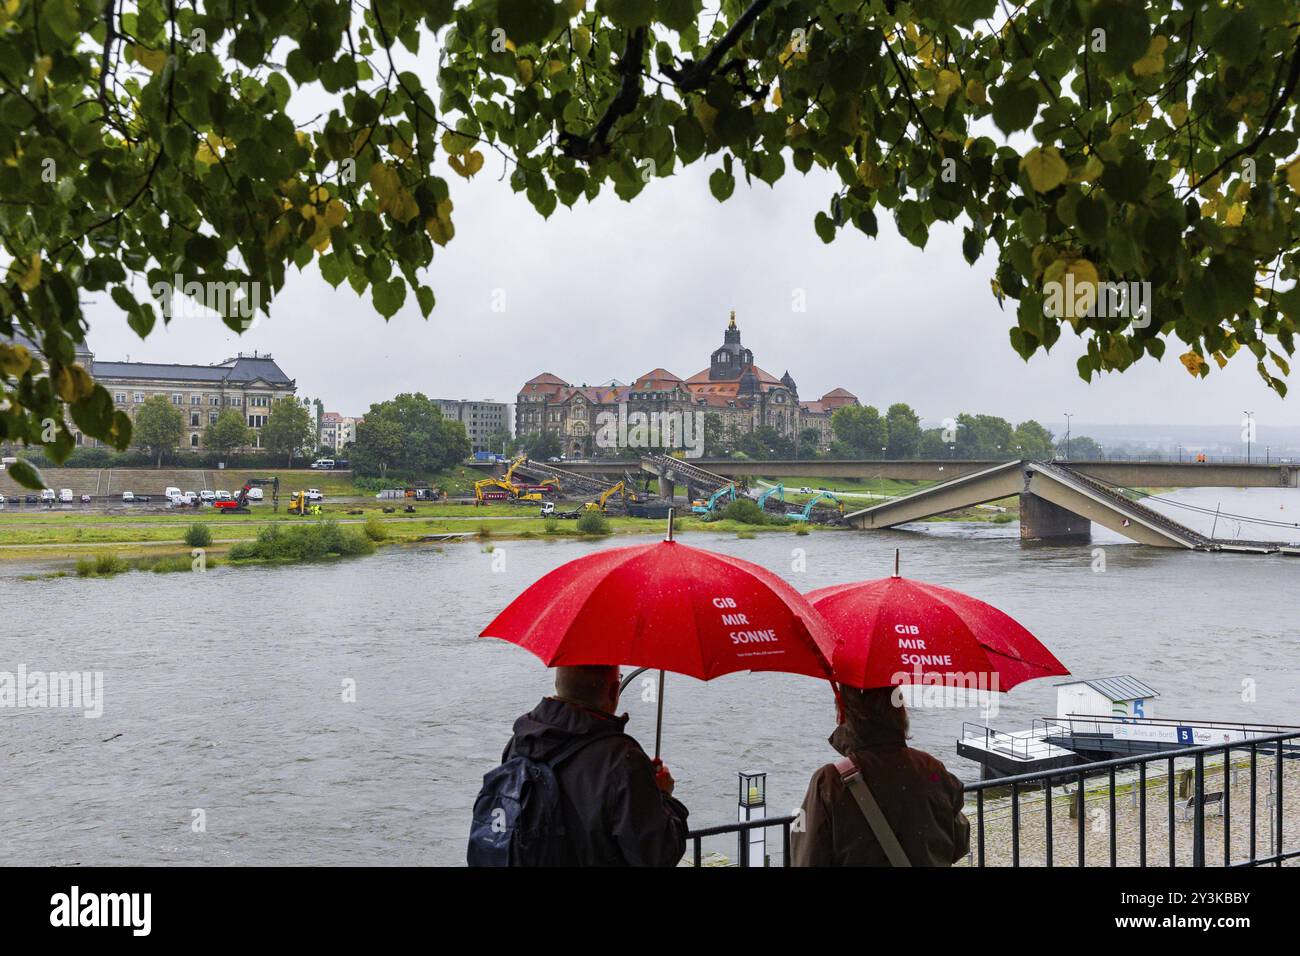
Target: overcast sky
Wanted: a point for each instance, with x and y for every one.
(612, 289)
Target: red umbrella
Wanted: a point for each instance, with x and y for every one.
(668, 606)
(896, 631)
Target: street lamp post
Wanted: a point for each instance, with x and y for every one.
(1250, 432)
(1068, 416)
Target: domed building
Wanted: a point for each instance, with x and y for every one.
(742, 395)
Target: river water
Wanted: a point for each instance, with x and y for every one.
(225, 736)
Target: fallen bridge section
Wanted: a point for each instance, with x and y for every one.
(1056, 504)
(671, 470)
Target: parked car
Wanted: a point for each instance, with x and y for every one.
(207, 495)
(143, 499)
(805, 490)
(191, 498)
(128, 497)
(32, 499)
(65, 496)
(254, 494)
(85, 499)
(2, 499)
(323, 464)
(223, 496)
(313, 494)
(173, 495)
(47, 496)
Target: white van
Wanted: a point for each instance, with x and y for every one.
(65, 495)
(47, 495)
(325, 464)
(174, 496)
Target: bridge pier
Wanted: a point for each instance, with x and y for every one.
(666, 488)
(1043, 520)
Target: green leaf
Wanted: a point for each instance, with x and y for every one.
(527, 21)
(825, 227)
(1122, 27)
(389, 296)
(722, 184)
(26, 474)
(1014, 106)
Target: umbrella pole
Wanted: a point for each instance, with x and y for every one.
(896, 551)
(659, 722)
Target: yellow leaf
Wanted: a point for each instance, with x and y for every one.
(776, 96)
(1293, 174)
(15, 360)
(73, 383)
(1089, 171)
(575, 7)
(524, 67)
(1192, 362)
(975, 92)
(1154, 59)
(1045, 168)
(30, 279)
(335, 213)
(320, 239)
(1221, 359)
(1178, 113)
(43, 65)
(394, 198)
(467, 165)
(1236, 212)
(1143, 113)
(555, 66)
(151, 60)
(945, 84)
(439, 231)
(308, 211)
(705, 114)
(582, 40)
(456, 143)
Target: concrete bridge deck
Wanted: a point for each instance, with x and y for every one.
(1130, 474)
(1057, 502)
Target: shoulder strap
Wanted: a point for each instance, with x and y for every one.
(851, 774)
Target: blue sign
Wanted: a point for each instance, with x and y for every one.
(1185, 735)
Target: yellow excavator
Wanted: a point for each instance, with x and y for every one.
(299, 505)
(600, 503)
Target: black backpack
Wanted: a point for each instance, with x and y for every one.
(517, 816)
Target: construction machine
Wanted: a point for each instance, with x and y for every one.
(602, 500)
(299, 505)
(725, 493)
(239, 503)
(806, 514)
(778, 490)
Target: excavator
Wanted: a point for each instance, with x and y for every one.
(299, 505)
(239, 504)
(778, 490)
(600, 503)
(806, 514)
(726, 492)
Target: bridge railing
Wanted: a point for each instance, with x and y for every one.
(1014, 820)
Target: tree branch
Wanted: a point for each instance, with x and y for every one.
(693, 76)
(595, 143)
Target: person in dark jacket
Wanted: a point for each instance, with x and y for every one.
(919, 799)
(617, 803)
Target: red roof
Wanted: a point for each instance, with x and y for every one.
(546, 378)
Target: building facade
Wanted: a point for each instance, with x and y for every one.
(338, 431)
(742, 396)
(481, 419)
(248, 383)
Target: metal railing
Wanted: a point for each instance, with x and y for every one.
(1131, 774)
(1036, 791)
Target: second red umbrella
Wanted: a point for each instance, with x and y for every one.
(897, 631)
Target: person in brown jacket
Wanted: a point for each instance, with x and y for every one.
(918, 798)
